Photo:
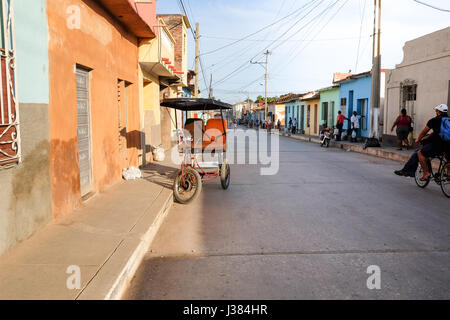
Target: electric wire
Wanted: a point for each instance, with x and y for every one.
(183, 8)
(360, 34)
(245, 65)
(252, 34)
(432, 6)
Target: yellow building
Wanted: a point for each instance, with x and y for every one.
(312, 103)
(163, 74)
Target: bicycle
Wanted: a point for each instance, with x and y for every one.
(441, 177)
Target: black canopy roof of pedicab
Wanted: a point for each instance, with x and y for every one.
(195, 104)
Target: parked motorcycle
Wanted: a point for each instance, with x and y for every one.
(325, 138)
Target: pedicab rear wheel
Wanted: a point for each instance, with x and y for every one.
(225, 175)
(188, 189)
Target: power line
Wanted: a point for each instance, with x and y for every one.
(360, 35)
(183, 8)
(256, 32)
(245, 65)
(323, 27)
(266, 48)
(431, 6)
(286, 40)
(322, 15)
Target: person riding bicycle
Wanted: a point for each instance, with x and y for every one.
(434, 145)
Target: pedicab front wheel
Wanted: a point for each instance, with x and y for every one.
(187, 186)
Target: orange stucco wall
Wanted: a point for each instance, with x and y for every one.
(104, 46)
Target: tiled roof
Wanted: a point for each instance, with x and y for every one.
(288, 98)
(311, 96)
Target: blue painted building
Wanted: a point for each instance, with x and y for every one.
(354, 95)
(293, 111)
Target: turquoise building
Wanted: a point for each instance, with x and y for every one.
(329, 106)
(294, 110)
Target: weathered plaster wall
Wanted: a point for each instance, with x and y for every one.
(102, 45)
(26, 192)
(426, 63)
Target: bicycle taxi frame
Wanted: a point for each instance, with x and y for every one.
(198, 139)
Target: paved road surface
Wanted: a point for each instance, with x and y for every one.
(309, 232)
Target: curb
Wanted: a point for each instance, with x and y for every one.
(376, 152)
(127, 274)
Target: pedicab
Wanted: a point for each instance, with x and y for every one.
(196, 141)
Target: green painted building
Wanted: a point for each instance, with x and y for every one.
(329, 106)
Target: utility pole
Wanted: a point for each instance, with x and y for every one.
(376, 71)
(267, 53)
(210, 87)
(197, 57)
(267, 80)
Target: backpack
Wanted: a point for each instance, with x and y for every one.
(445, 129)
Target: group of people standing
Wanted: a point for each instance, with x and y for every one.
(292, 126)
(354, 125)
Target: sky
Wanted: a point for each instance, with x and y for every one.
(309, 40)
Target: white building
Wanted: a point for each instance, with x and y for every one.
(419, 83)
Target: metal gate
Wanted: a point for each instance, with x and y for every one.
(84, 131)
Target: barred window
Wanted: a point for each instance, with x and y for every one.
(9, 124)
(409, 93)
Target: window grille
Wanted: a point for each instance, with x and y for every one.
(9, 107)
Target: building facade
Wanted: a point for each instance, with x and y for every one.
(355, 95)
(70, 71)
(329, 106)
(95, 127)
(294, 111)
(26, 203)
(419, 83)
(311, 102)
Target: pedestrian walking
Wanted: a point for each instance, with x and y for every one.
(279, 125)
(404, 125)
(340, 125)
(290, 125)
(294, 126)
(355, 125)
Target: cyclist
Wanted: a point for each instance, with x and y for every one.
(434, 146)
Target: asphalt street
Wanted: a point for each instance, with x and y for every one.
(309, 232)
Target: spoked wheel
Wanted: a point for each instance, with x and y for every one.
(187, 187)
(419, 174)
(225, 175)
(445, 180)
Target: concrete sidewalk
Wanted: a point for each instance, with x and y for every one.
(106, 238)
